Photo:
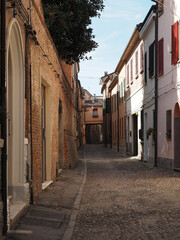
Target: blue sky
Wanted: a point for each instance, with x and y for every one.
(113, 31)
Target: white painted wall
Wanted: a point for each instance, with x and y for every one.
(134, 103)
(148, 36)
(170, 81)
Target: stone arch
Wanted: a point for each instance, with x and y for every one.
(15, 113)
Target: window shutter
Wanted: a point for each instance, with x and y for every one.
(161, 57)
(141, 57)
(145, 67)
(137, 62)
(168, 123)
(127, 75)
(175, 43)
(151, 60)
(131, 71)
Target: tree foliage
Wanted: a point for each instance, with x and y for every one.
(69, 24)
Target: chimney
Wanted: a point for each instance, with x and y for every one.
(105, 73)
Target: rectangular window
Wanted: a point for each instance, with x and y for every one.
(175, 43)
(137, 64)
(95, 112)
(168, 124)
(161, 57)
(141, 57)
(127, 75)
(131, 71)
(151, 60)
(145, 67)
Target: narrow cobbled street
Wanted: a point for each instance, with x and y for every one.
(116, 198)
(125, 199)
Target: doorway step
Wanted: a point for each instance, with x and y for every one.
(14, 211)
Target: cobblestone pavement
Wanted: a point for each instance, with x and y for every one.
(119, 198)
(125, 199)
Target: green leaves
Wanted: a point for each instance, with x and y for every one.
(68, 22)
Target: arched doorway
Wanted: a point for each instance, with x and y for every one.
(176, 136)
(15, 117)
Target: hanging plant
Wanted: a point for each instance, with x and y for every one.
(149, 131)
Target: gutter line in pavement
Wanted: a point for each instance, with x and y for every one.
(69, 231)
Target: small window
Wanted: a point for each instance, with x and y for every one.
(161, 57)
(168, 124)
(151, 60)
(175, 43)
(95, 112)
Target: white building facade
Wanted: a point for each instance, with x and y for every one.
(134, 95)
(147, 34)
(169, 87)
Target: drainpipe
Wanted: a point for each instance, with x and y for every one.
(110, 117)
(105, 128)
(118, 121)
(3, 116)
(31, 131)
(156, 87)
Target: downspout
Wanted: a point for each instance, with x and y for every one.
(31, 132)
(110, 117)
(105, 128)
(3, 114)
(117, 120)
(156, 88)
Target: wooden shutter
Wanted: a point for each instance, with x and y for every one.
(131, 71)
(145, 67)
(127, 75)
(137, 63)
(141, 57)
(151, 60)
(175, 43)
(168, 123)
(161, 57)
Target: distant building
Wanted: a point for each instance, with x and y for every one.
(93, 118)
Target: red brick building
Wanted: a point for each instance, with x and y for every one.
(39, 113)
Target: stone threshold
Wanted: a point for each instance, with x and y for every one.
(46, 184)
(15, 211)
